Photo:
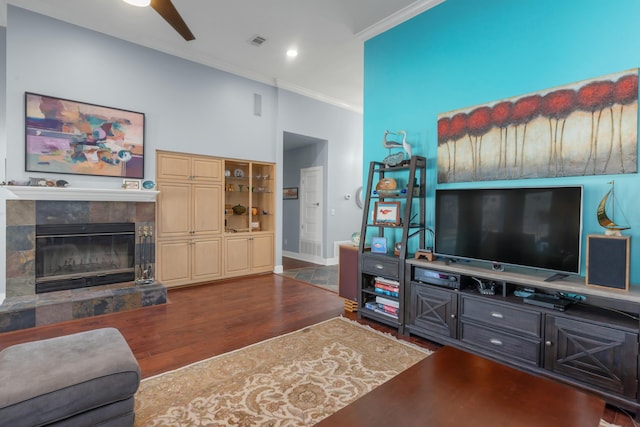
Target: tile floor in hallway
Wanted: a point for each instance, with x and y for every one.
(324, 276)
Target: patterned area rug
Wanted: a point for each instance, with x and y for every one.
(296, 379)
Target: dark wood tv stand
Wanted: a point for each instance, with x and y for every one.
(592, 345)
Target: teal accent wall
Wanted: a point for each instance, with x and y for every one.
(465, 52)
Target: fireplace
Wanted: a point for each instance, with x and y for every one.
(70, 256)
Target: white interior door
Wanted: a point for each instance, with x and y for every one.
(311, 211)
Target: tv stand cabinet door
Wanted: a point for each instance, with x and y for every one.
(599, 356)
(433, 311)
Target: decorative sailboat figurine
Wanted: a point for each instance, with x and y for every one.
(611, 228)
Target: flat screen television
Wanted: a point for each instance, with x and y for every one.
(537, 227)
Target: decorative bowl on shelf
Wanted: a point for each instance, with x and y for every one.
(386, 184)
(239, 209)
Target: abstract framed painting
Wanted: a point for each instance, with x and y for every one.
(585, 128)
(72, 137)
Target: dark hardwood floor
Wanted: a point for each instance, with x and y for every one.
(206, 320)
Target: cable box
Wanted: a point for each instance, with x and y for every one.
(547, 301)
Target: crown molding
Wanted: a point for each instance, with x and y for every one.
(280, 84)
(397, 18)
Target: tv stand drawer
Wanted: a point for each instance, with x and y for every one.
(502, 344)
(502, 315)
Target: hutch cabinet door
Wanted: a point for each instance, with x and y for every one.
(173, 166)
(237, 255)
(207, 212)
(174, 261)
(205, 169)
(174, 209)
(207, 255)
(262, 252)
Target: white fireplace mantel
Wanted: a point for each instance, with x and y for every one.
(15, 192)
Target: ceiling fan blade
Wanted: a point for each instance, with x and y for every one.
(167, 10)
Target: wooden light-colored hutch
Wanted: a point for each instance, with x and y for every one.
(215, 218)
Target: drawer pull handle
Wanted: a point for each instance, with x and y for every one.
(379, 266)
(495, 341)
(496, 315)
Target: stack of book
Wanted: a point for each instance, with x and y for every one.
(387, 287)
(388, 306)
(384, 306)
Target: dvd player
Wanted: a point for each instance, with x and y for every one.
(547, 301)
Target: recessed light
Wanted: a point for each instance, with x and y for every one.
(292, 53)
(139, 3)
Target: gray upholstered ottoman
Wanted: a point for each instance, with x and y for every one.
(84, 379)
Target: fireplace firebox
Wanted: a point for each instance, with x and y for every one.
(70, 256)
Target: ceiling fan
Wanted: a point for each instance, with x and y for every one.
(167, 10)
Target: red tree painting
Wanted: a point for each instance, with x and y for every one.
(585, 128)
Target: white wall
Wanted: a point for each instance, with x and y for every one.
(188, 107)
(343, 132)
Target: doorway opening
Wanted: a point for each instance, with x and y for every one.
(304, 220)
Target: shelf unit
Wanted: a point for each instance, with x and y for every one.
(381, 275)
(249, 217)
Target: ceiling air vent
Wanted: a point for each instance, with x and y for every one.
(257, 40)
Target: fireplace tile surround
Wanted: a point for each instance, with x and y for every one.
(23, 308)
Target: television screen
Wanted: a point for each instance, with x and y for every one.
(531, 227)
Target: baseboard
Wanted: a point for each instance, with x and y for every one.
(309, 258)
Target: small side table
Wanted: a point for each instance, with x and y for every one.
(348, 276)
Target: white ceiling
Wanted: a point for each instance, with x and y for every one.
(329, 35)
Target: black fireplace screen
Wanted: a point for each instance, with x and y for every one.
(71, 256)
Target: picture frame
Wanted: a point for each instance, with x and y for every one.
(131, 184)
(386, 213)
(290, 193)
(71, 137)
(379, 245)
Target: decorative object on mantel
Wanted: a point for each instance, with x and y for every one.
(388, 142)
(17, 183)
(131, 184)
(610, 226)
(65, 136)
(584, 128)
